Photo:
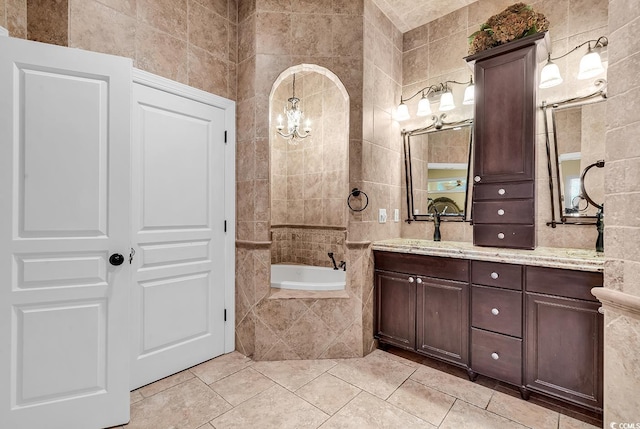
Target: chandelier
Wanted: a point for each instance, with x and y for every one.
(294, 119)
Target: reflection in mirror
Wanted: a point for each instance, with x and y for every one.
(577, 129)
(436, 165)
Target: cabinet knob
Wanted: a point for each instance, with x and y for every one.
(411, 279)
(494, 275)
(495, 311)
(500, 212)
(477, 179)
(419, 280)
(601, 310)
(501, 191)
(495, 356)
(501, 236)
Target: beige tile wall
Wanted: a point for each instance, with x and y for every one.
(622, 201)
(434, 52)
(13, 15)
(308, 246)
(48, 21)
(309, 177)
(190, 41)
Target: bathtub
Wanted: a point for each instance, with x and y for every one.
(305, 277)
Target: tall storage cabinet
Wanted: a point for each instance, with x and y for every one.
(504, 158)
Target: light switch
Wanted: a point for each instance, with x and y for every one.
(396, 215)
(382, 215)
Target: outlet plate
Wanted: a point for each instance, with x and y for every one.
(382, 215)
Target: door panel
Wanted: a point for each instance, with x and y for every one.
(64, 205)
(179, 176)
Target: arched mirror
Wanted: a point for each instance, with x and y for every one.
(575, 130)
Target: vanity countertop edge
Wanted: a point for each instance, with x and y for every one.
(550, 257)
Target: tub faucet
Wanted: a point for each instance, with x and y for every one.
(343, 265)
(335, 267)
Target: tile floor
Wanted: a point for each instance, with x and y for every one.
(381, 390)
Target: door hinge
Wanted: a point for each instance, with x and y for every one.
(225, 136)
(133, 252)
(225, 314)
(225, 226)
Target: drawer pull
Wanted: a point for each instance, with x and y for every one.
(411, 279)
(477, 179)
(495, 356)
(500, 212)
(501, 191)
(419, 280)
(501, 236)
(494, 275)
(495, 311)
(601, 310)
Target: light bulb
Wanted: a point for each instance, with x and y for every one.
(424, 107)
(402, 113)
(446, 102)
(550, 75)
(590, 65)
(469, 94)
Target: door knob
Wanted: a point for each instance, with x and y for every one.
(116, 259)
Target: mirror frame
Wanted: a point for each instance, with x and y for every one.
(597, 96)
(437, 126)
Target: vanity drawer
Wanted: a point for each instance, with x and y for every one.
(508, 276)
(559, 282)
(497, 310)
(430, 266)
(503, 191)
(505, 211)
(496, 356)
(510, 236)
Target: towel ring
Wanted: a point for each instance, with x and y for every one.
(355, 192)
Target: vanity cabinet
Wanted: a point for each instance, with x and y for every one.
(422, 304)
(537, 328)
(564, 329)
(496, 320)
(504, 157)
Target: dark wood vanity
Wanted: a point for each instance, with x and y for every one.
(535, 327)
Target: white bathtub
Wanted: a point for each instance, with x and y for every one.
(305, 277)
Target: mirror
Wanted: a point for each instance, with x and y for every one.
(437, 170)
(575, 131)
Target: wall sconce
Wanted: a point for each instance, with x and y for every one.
(431, 92)
(590, 64)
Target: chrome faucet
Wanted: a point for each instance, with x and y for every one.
(436, 221)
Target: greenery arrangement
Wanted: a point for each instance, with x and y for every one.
(516, 21)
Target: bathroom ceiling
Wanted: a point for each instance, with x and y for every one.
(409, 14)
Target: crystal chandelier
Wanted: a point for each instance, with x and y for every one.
(294, 119)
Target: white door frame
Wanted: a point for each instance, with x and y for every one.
(229, 106)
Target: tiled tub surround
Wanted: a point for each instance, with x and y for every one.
(307, 245)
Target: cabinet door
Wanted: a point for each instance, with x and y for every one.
(395, 309)
(564, 349)
(505, 116)
(442, 316)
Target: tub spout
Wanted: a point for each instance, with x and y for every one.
(343, 265)
(335, 267)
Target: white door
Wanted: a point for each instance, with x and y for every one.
(178, 227)
(64, 209)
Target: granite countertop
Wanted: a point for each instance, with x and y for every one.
(552, 257)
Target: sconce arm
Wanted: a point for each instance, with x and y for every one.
(600, 42)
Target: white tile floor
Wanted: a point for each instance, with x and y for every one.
(382, 390)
